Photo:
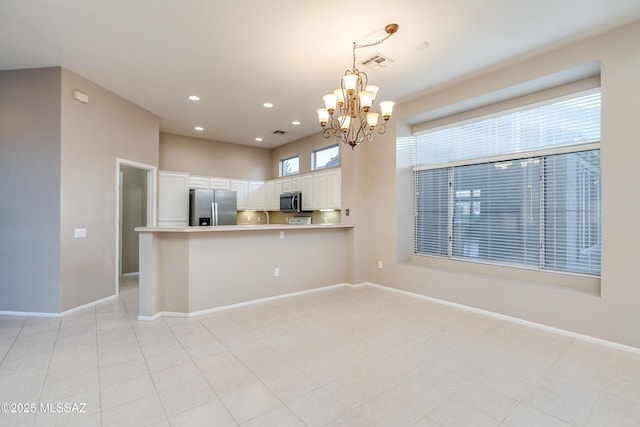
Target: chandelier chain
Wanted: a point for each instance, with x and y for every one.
(358, 46)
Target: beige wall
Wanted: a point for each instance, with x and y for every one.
(212, 158)
(304, 148)
(29, 190)
(94, 135)
(613, 315)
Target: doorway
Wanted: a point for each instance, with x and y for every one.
(135, 207)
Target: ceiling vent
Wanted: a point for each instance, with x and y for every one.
(375, 61)
(278, 132)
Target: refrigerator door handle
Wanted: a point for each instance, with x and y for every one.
(214, 213)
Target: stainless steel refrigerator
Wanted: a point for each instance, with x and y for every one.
(212, 207)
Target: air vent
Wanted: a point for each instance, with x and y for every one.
(278, 132)
(375, 61)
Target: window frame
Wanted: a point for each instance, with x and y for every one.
(314, 153)
(588, 281)
(282, 163)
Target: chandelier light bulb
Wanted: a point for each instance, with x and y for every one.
(386, 107)
(323, 116)
(350, 82)
(372, 120)
(339, 96)
(345, 123)
(330, 101)
(373, 89)
(366, 100)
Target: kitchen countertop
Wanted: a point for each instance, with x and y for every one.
(240, 227)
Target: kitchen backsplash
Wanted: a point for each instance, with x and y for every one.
(277, 217)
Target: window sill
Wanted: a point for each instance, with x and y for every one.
(587, 284)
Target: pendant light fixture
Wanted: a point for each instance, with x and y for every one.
(347, 111)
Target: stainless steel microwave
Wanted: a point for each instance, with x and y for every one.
(291, 202)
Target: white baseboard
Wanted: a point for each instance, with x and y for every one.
(241, 304)
(28, 314)
(64, 313)
(516, 320)
(89, 305)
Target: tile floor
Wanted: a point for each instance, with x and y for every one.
(340, 357)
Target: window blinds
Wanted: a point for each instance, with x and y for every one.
(485, 201)
(566, 122)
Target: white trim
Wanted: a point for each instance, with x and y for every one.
(514, 155)
(132, 274)
(151, 318)
(516, 320)
(28, 314)
(152, 174)
(240, 304)
(88, 305)
(62, 314)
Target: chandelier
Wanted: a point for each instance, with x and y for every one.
(353, 121)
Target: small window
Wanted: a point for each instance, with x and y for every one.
(290, 166)
(326, 157)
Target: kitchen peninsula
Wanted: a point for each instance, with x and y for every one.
(194, 270)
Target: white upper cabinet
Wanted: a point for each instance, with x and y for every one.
(295, 184)
(241, 187)
(306, 187)
(270, 189)
(286, 185)
(219, 183)
(334, 185)
(319, 191)
(257, 196)
(173, 199)
(199, 182)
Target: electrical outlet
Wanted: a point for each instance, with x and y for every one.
(79, 233)
(276, 272)
(282, 235)
(380, 265)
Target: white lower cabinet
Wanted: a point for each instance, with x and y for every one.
(173, 199)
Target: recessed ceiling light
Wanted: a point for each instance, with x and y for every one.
(199, 128)
(422, 45)
(194, 97)
(259, 139)
(295, 123)
(268, 105)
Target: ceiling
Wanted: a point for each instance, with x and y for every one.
(237, 55)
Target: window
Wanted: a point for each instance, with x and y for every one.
(325, 158)
(519, 189)
(290, 166)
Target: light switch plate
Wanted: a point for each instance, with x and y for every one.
(79, 233)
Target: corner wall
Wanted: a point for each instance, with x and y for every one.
(94, 135)
(30, 190)
(614, 315)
